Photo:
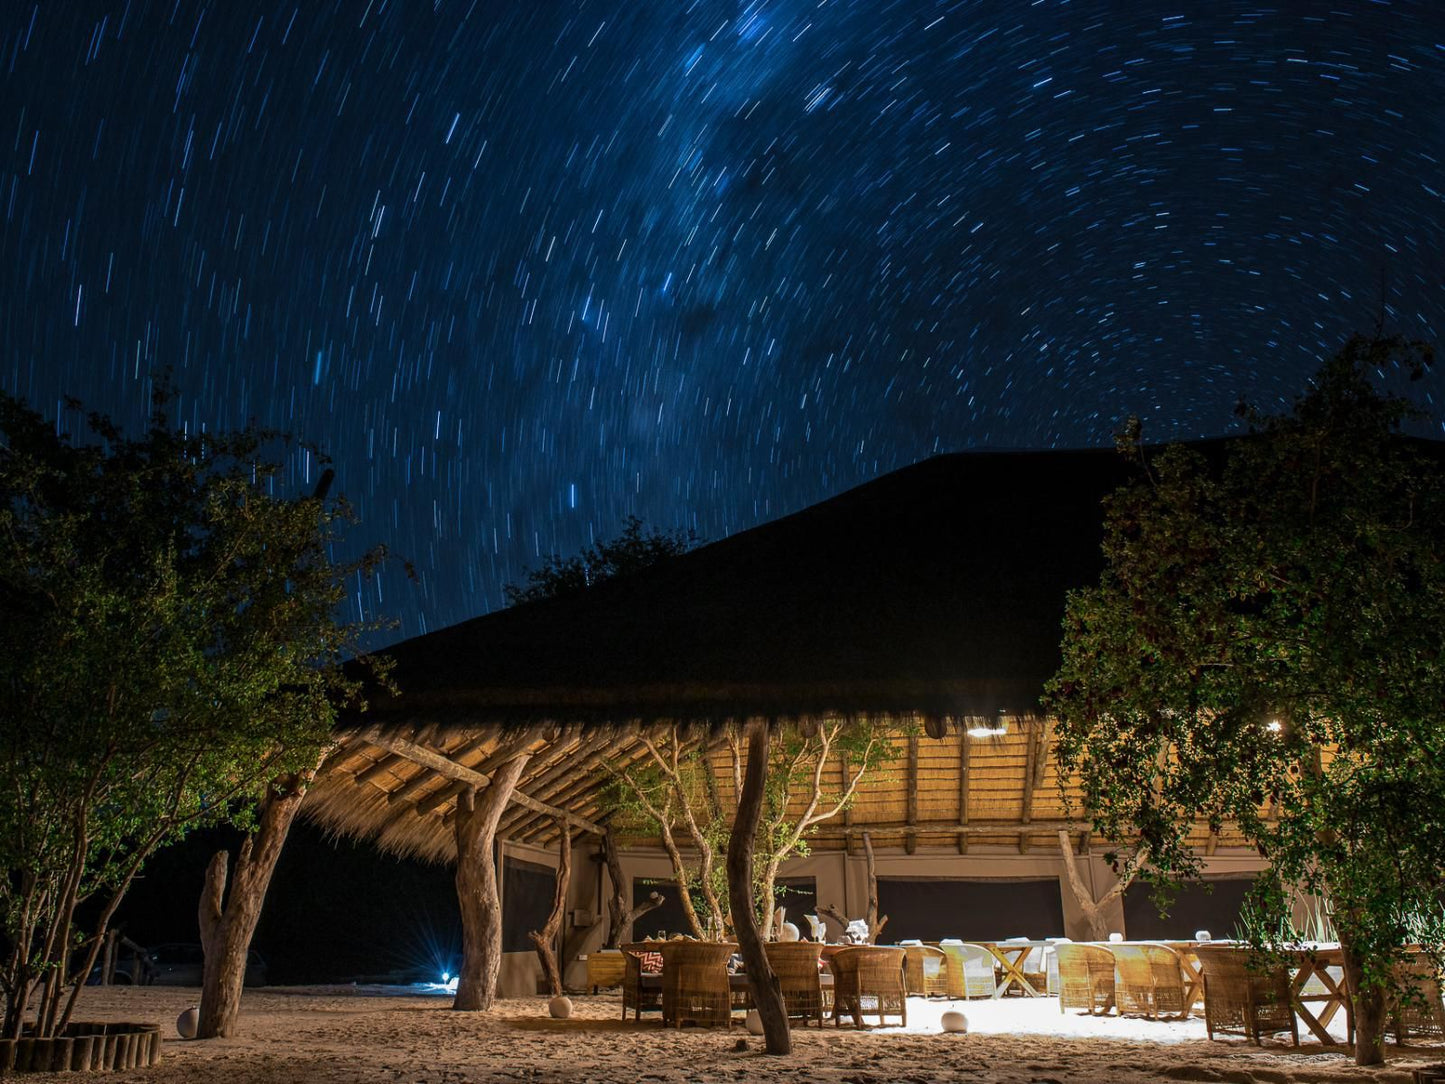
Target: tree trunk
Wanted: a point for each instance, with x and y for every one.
(1093, 910)
(762, 983)
(545, 939)
(480, 903)
(1369, 1007)
(226, 931)
(875, 924)
(621, 917)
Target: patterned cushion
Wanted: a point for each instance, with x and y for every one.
(651, 962)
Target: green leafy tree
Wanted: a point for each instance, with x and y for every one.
(800, 793)
(635, 549)
(169, 648)
(1266, 646)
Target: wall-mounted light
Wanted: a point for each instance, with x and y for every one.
(984, 731)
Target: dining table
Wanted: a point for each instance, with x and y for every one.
(1317, 989)
(1317, 984)
(1190, 971)
(1010, 956)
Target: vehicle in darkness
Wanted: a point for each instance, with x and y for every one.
(179, 963)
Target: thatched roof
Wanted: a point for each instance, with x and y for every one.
(931, 595)
(935, 590)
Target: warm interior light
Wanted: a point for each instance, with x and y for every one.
(987, 731)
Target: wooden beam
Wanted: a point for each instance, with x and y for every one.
(910, 841)
(564, 790)
(964, 746)
(1085, 840)
(451, 790)
(924, 828)
(1031, 776)
(555, 780)
(423, 778)
(1211, 843)
(469, 777)
(580, 792)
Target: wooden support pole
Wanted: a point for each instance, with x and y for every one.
(476, 878)
(545, 939)
(964, 746)
(763, 983)
(1031, 775)
(910, 838)
(848, 810)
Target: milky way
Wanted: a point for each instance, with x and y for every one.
(523, 267)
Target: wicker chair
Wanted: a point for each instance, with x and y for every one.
(968, 969)
(1242, 1000)
(865, 975)
(641, 993)
(1051, 965)
(695, 983)
(1086, 977)
(796, 965)
(1151, 981)
(1417, 1011)
(925, 970)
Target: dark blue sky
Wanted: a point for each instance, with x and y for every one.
(523, 267)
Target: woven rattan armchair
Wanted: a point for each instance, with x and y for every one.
(1151, 980)
(796, 965)
(1086, 977)
(640, 993)
(1417, 1011)
(925, 970)
(695, 983)
(968, 969)
(868, 979)
(1239, 999)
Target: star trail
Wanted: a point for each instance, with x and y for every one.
(523, 267)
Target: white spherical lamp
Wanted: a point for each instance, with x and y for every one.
(954, 1021)
(754, 1022)
(188, 1023)
(560, 1008)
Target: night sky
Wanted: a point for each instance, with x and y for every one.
(523, 267)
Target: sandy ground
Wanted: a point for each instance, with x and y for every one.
(321, 1035)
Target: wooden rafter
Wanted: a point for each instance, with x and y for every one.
(554, 781)
(575, 785)
(469, 777)
(450, 790)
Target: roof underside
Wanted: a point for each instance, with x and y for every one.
(945, 795)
